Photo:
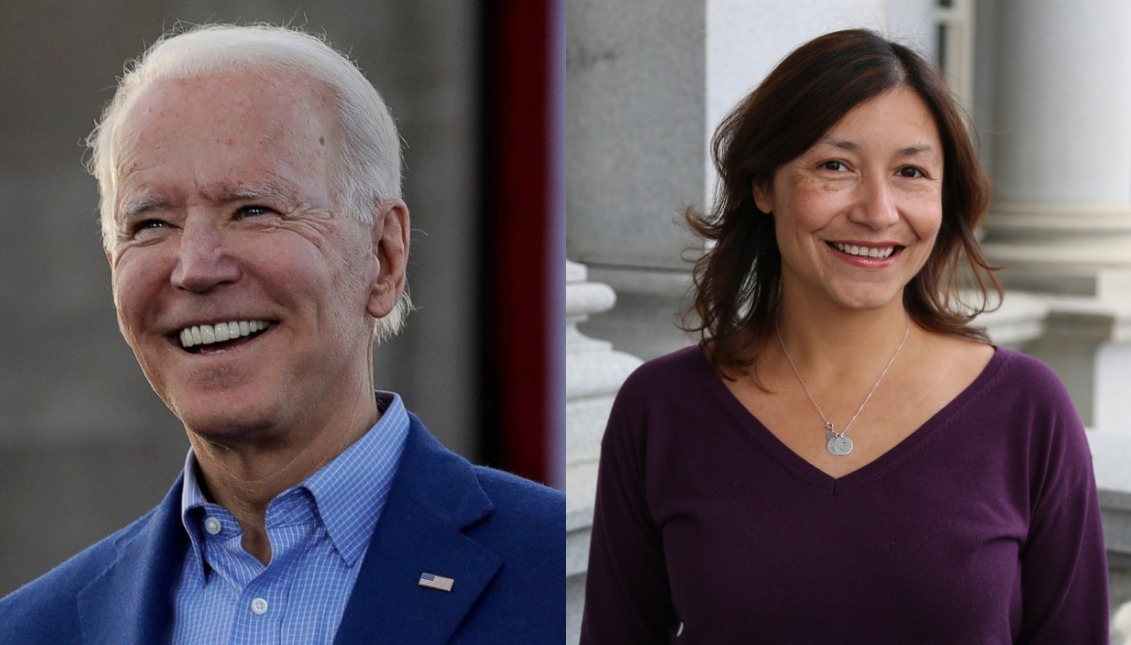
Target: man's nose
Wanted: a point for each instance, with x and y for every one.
(876, 207)
(203, 258)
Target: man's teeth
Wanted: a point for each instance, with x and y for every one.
(220, 332)
(865, 251)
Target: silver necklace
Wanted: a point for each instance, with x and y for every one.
(836, 442)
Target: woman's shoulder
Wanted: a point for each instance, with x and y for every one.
(667, 389)
(1026, 373)
(996, 367)
(1020, 391)
(999, 385)
(670, 371)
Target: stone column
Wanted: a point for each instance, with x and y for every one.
(594, 373)
(1017, 323)
(635, 125)
(1062, 146)
(1061, 219)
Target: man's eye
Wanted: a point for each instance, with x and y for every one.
(143, 229)
(253, 211)
(150, 223)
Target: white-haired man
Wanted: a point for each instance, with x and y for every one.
(252, 218)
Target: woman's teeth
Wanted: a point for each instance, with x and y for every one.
(878, 253)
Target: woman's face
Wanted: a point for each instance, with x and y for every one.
(857, 214)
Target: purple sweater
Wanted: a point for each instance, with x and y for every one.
(983, 526)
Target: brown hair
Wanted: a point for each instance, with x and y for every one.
(737, 279)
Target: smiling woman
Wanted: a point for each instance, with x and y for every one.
(843, 458)
(857, 215)
(791, 116)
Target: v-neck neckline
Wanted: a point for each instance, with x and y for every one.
(805, 469)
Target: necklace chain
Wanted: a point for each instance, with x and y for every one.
(829, 424)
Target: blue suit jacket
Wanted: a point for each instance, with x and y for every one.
(500, 537)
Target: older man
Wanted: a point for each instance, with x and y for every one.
(251, 215)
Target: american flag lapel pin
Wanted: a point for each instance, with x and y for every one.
(433, 581)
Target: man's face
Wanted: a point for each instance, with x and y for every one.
(225, 215)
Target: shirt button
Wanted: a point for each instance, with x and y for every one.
(259, 606)
(212, 525)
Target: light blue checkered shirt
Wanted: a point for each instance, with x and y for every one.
(319, 531)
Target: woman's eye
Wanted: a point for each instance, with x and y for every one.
(911, 172)
(836, 166)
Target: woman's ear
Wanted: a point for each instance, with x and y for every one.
(763, 197)
(390, 249)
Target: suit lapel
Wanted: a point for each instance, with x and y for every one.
(132, 601)
(434, 497)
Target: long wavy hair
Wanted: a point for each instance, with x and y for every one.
(737, 277)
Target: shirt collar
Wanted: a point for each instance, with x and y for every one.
(349, 491)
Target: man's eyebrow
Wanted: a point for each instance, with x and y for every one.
(137, 208)
(253, 192)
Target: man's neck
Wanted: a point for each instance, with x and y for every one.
(244, 477)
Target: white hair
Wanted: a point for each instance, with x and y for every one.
(369, 160)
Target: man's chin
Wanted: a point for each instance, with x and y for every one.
(229, 426)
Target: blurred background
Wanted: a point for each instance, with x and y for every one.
(476, 89)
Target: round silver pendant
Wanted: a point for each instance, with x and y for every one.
(839, 445)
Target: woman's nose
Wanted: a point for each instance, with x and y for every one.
(876, 205)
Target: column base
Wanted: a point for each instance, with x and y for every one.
(594, 373)
(1087, 341)
(1066, 249)
(650, 303)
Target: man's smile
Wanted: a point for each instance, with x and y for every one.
(197, 336)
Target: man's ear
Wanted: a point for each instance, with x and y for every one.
(763, 197)
(390, 232)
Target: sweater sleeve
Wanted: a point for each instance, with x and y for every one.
(627, 595)
(1063, 563)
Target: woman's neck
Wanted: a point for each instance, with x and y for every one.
(829, 344)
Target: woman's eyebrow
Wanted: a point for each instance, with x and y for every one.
(843, 144)
(918, 149)
(907, 151)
